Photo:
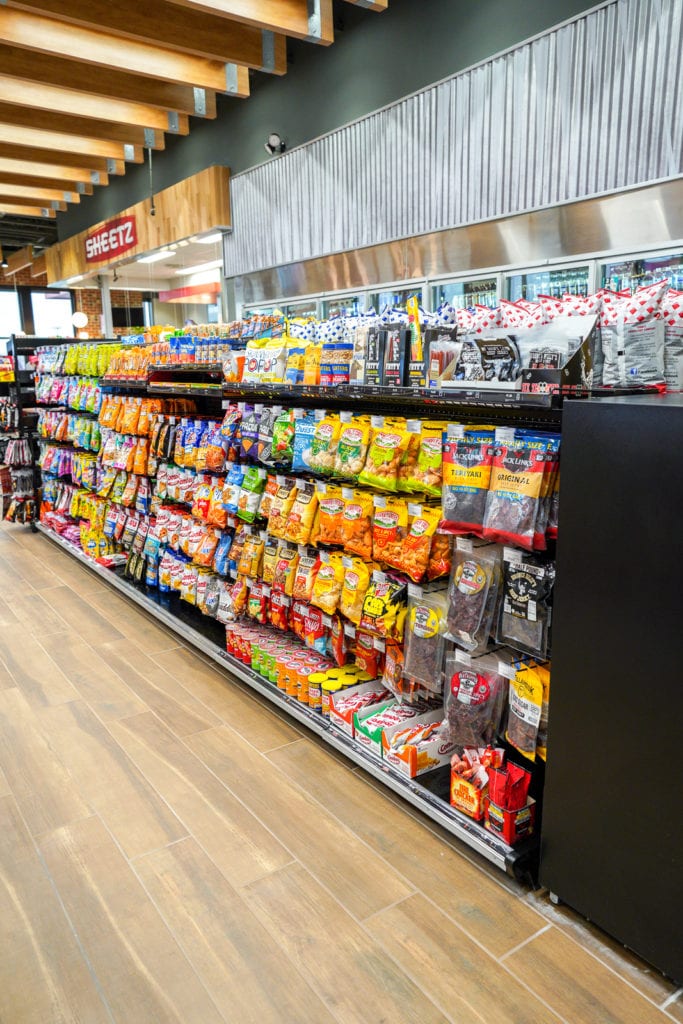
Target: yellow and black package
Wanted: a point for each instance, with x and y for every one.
(542, 737)
(524, 712)
(251, 559)
(384, 607)
(300, 522)
(389, 530)
(324, 444)
(328, 583)
(352, 447)
(356, 583)
(286, 561)
(389, 443)
(356, 530)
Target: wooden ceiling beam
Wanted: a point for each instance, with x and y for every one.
(17, 160)
(37, 193)
(166, 25)
(40, 157)
(304, 19)
(110, 135)
(32, 181)
(32, 203)
(22, 92)
(69, 143)
(47, 70)
(25, 211)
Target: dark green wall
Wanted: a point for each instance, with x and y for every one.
(375, 59)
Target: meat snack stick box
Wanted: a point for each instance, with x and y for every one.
(370, 723)
(425, 750)
(345, 704)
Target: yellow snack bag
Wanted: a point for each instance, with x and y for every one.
(542, 738)
(251, 558)
(280, 507)
(355, 586)
(300, 522)
(269, 560)
(286, 562)
(427, 473)
(352, 447)
(524, 713)
(389, 443)
(356, 529)
(328, 583)
(408, 463)
(312, 364)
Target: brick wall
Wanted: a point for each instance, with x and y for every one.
(23, 277)
(89, 301)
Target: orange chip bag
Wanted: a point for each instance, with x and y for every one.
(389, 530)
(269, 491)
(131, 415)
(440, 556)
(217, 514)
(330, 514)
(356, 526)
(206, 549)
(423, 522)
(141, 456)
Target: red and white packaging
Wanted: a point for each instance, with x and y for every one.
(672, 315)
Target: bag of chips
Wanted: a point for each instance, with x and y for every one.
(278, 610)
(389, 443)
(301, 517)
(352, 446)
(389, 530)
(250, 495)
(414, 558)
(285, 568)
(408, 464)
(281, 504)
(269, 560)
(217, 514)
(324, 444)
(304, 431)
(220, 559)
(251, 558)
(306, 571)
(384, 607)
(355, 586)
(356, 527)
(330, 511)
(328, 583)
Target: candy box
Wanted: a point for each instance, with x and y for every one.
(396, 350)
(374, 361)
(468, 798)
(344, 704)
(414, 758)
(365, 732)
(511, 826)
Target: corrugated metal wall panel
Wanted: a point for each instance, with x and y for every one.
(588, 108)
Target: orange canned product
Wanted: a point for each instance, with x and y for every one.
(292, 678)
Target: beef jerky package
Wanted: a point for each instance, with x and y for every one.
(474, 697)
(424, 638)
(472, 594)
(525, 610)
(396, 351)
(466, 476)
(515, 490)
(525, 710)
(488, 360)
(374, 362)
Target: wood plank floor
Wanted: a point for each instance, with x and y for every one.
(174, 850)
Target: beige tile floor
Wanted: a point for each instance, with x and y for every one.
(172, 850)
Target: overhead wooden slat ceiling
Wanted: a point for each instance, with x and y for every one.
(87, 86)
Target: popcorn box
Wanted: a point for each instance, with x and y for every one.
(411, 760)
(344, 718)
(467, 798)
(511, 826)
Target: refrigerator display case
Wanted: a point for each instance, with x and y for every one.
(554, 281)
(396, 298)
(343, 305)
(480, 292)
(642, 270)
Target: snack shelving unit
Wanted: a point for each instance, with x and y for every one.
(429, 792)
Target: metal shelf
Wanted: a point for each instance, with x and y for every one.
(517, 861)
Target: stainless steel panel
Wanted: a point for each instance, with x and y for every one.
(637, 220)
(587, 108)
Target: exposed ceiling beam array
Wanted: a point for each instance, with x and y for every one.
(86, 87)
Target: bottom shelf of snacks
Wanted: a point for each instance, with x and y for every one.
(344, 717)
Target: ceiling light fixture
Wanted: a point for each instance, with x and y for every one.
(212, 265)
(208, 239)
(274, 144)
(4, 263)
(155, 257)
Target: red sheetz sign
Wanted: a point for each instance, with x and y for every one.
(112, 239)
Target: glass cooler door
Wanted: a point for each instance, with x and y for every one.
(481, 292)
(633, 273)
(553, 281)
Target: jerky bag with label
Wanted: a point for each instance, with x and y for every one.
(467, 461)
(472, 594)
(515, 491)
(474, 696)
(525, 612)
(424, 639)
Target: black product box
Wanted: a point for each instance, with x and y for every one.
(374, 360)
(396, 349)
(548, 367)
(418, 359)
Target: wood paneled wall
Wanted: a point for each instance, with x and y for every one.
(193, 206)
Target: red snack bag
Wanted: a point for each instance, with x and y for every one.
(367, 656)
(278, 610)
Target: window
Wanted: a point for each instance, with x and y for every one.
(396, 298)
(346, 305)
(631, 274)
(461, 294)
(52, 314)
(556, 282)
(10, 316)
